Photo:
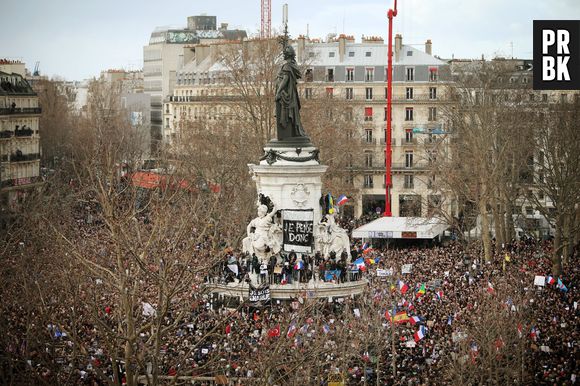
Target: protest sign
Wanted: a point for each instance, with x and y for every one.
(297, 226)
(259, 294)
(406, 268)
(540, 281)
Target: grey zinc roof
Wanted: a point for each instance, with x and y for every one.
(378, 56)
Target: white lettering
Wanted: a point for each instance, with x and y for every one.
(563, 40)
(548, 71)
(563, 73)
(548, 39)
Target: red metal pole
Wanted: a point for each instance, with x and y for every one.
(388, 149)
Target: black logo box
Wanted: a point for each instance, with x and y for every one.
(573, 28)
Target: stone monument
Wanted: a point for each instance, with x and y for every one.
(289, 175)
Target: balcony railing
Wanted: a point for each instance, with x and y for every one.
(14, 157)
(201, 98)
(20, 110)
(23, 181)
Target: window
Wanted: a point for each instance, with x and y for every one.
(330, 74)
(167, 123)
(350, 74)
(329, 92)
(368, 159)
(410, 74)
(409, 135)
(368, 114)
(409, 181)
(368, 181)
(409, 53)
(386, 92)
(348, 114)
(349, 93)
(432, 113)
(409, 93)
(351, 54)
(369, 74)
(308, 93)
(408, 114)
(369, 136)
(529, 210)
(308, 76)
(563, 98)
(369, 93)
(432, 74)
(368, 54)
(432, 92)
(331, 54)
(544, 97)
(532, 97)
(311, 54)
(408, 159)
(385, 117)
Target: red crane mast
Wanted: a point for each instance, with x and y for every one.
(388, 148)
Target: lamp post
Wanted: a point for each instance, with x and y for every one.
(388, 149)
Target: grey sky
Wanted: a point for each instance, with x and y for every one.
(76, 39)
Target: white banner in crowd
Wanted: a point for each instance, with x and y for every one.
(540, 281)
(384, 272)
(406, 268)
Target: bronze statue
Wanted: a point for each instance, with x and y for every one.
(288, 122)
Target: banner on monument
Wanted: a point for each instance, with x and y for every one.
(298, 226)
(259, 294)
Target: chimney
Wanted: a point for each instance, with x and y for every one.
(428, 47)
(341, 47)
(398, 46)
(301, 46)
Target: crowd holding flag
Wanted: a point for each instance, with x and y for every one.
(561, 286)
(421, 333)
(403, 287)
(341, 200)
(421, 291)
(550, 280)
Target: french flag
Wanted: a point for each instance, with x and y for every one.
(360, 263)
(415, 320)
(420, 334)
(550, 280)
(439, 294)
(299, 265)
(342, 200)
(403, 287)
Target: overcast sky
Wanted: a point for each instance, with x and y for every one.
(76, 39)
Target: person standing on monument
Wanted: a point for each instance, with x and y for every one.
(288, 121)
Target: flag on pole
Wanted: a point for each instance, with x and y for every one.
(342, 200)
(439, 294)
(420, 334)
(550, 280)
(274, 332)
(403, 287)
(360, 263)
(421, 291)
(415, 320)
(291, 330)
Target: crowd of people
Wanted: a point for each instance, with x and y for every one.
(419, 317)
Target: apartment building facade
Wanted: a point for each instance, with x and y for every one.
(19, 135)
(356, 73)
(167, 52)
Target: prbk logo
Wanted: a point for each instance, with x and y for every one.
(556, 54)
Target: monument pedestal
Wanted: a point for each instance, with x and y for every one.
(291, 177)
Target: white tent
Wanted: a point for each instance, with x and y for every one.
(401, 228)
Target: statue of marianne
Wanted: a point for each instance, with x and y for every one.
(288, 122)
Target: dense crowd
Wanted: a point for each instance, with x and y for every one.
(428, 311)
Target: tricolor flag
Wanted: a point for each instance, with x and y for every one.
(364, 246)
(291, 330)
(439, 294)
(415, 320)
(403, 287)
(520, 329)
(367, 248)
(326, 328)
(360, 263)
(450, 320)
(304, 329)
(341, 200)
(550, 280)
(420, 334)
(421, 291)
(299, 265)
(534, 333)
(561, 286)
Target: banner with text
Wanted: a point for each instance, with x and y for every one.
(259, 294)
(298, 227)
